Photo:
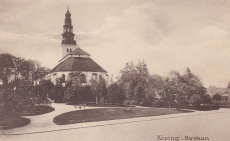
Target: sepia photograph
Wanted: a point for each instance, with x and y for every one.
(114, 70)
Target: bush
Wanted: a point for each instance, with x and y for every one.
(57, 93)
(207, 107)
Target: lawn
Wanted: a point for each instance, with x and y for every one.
(13, 121)
(39, 110)
(102, 114)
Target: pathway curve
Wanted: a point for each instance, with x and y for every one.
(43, 122)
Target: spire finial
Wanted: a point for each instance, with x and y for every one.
(68, 8)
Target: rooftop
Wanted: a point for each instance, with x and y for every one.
(78, 64)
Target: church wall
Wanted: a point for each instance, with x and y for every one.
(89, 75)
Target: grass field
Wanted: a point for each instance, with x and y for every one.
(13, 122)
(103, 114)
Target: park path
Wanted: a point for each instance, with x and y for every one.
(43, 122)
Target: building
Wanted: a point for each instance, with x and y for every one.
(223, 92)
(74, 59)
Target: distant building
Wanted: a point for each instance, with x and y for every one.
(74, 59)
(223, 92)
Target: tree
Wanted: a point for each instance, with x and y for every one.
(8, 101)
(39, 94)
(20, 93)
(86, 94)
(207, 99)
(99, 89)
(180, 88)
(47, 86)
(7, 67)
(57, 93)
(13, 68)
(69, 95)
(35, 70)
(17, 76)
(94, 88)
(167, 91)
(115, 94)
(76, 92)
(193, 84)
(136, 82)
(196, 100)
(216, 97)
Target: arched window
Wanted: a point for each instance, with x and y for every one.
(70, 50)
(67, 50)
(82, 78)
(94, 76)
(63, 78)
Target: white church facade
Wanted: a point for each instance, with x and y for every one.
(74, 59)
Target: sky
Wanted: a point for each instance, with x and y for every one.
(167, 34)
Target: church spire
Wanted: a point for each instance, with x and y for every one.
(68, 36)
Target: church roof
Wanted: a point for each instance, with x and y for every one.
(79, 51)
(78, 64)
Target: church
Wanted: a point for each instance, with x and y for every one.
(74, 59)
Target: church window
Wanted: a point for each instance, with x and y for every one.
(67, 50)
(63, 77)
(94, 76)
(70, 50)
(82, 78)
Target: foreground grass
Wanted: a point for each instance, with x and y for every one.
(13, 121)
(103, 114)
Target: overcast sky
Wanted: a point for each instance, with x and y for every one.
(166, 34)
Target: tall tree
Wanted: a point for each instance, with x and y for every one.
(99, 89)
(135, 80)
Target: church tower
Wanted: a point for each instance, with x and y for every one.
(74, 59)
(68, 42)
